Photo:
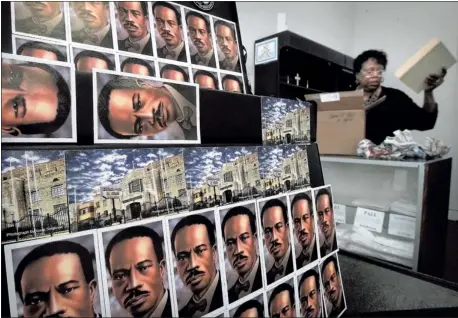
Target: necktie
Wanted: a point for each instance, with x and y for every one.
(225, 65)
(39, 29)
(134, 46)
(88, 37)
(200, 306)
(303, 259)
(200, 59)
(276, 270)
(241, 286)
(166, 52)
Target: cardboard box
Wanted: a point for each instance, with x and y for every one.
(341, 121)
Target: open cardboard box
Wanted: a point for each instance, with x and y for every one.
(341, 121)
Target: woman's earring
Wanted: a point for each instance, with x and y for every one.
(13, 131)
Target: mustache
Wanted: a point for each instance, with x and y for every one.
(302, 233)
(193, 272)
(86, 14)
(36, 4)
(239, 257)
(198, 41)
(129, 24)
(135, 293)
(274, 244)
(166, 32)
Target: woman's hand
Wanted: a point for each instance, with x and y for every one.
(433, 81)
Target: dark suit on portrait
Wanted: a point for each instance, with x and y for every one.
(147, 50)
(28, 26)
(217, 302)
(211, 63)
(106, 42)
(224, 65)
(334, 247)
(271, 275)
(337, 311)
(301, 259)
(257, 284)
(181, 56)
(168, 307)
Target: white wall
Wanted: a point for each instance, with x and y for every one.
(399, 28)
(328, 23)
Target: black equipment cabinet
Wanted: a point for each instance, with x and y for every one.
(320, 69)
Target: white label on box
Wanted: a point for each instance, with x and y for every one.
(369, 219)
(340, 213)
(401, 225)
(330, 97)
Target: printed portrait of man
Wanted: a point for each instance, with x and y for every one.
(86, 60)
(134, 19)
(41, 50)
(199, 31)
(137, 66)
(174, 72)
(250, 309)
(57, 279)
(94, 16)
(304, 229)
(35, 99)
(325, 212)
(333, 285)
(195, 250)
(45, 18)
(281, 301)
(205, 79)
(274, 220)
(136, 262)
(310, 295)
(130, 107)
(232, 84)
(227, 42)
(170, 29)
(241, 242)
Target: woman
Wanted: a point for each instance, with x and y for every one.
(389, 109)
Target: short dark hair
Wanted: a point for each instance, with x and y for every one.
(310, 273)
(134, 60)
(144, 6)
(234, 78)
(133, 232)
(302, 196)
(171, 7)
(172, 67)
(50, 249)
(330, 259)
(206, 73)
(94, 54)
(200, 16)
(239, 210)
(195, 219)
(379, 56)
(252, 303)
(227, 24)
(118, 82)
(321, 192)
(272, 203)
(42, 46)
(64, 103)
(281, 288)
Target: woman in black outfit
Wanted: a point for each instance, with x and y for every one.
(389, 109)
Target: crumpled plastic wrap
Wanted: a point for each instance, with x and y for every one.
(402, 146)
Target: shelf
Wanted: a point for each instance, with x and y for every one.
(375, 162)
(312, 90)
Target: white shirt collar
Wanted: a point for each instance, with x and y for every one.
(284, 261)
(250, 278)
(142, 43)
(330, 242)
(207, 56)
(208, 294)
(160, 307)
(50, 24)
(100, 34)
(177, 49)
(183, 103)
